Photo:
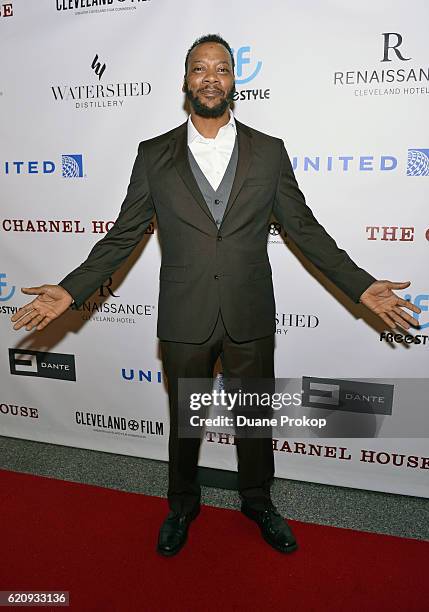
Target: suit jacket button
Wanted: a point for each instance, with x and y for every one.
(216, 276)
(219, 238)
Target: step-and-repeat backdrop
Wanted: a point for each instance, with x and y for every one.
(346, 86)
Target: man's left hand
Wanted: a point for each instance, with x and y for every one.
(380, 298)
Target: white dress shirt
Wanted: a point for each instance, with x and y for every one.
(213, 154)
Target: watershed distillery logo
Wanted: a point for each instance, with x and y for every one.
(99, 94)
(396, 73)
(287, 320)
(247, 69)
(90, 7)
(70, 165)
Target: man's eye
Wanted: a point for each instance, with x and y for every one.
(198, 68)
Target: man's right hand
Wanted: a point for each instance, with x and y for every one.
(50, 303)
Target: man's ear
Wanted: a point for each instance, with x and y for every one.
(184, 85)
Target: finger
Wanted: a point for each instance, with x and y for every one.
(398, 285)
(388, 320)
(33, 290)
(26, 319)
(409, 305)
(406, 316)
(35, 321)
(399, 320)
(44, 323)
(22, 311)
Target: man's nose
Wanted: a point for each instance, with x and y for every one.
(211, 76)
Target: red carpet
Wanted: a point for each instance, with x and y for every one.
(99, 544)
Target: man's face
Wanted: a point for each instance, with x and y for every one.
(209, 81)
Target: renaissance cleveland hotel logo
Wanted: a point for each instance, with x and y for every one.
(398, 74)
(97, 94)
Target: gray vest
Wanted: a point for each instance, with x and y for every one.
(216, 200)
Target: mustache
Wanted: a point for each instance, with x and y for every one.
(211, 89)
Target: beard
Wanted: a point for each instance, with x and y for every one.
(210, 112)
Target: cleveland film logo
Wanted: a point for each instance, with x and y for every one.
(395, 77)
(119, 424)
(347, 395)
(24, 362)
(86, 7)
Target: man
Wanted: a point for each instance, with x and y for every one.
(213, 183)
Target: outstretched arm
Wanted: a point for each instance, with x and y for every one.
(104, 258)
(108, 253)
(321, 249)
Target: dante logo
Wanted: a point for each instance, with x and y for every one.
(418, 162)
(422, 301)
(24, 362)
(392, 42)
(242, 58)
(3, 283)
(97, 67)
(72, 166)
(6, 10)
(347, 395)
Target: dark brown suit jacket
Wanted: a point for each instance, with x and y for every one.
(204, 268)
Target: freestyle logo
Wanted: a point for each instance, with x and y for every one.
(246, 71)
(242, 58)
(422, 301)
(3, 283)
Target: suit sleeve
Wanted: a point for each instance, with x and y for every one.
(311, 238)
(108, 253)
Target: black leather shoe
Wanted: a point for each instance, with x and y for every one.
(273, 526)
(174, 531)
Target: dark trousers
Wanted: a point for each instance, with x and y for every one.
(254, 359)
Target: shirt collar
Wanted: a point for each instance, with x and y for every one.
(193, 133)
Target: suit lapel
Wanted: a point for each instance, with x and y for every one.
(243, 163)
(179, 151)
(179, 145)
